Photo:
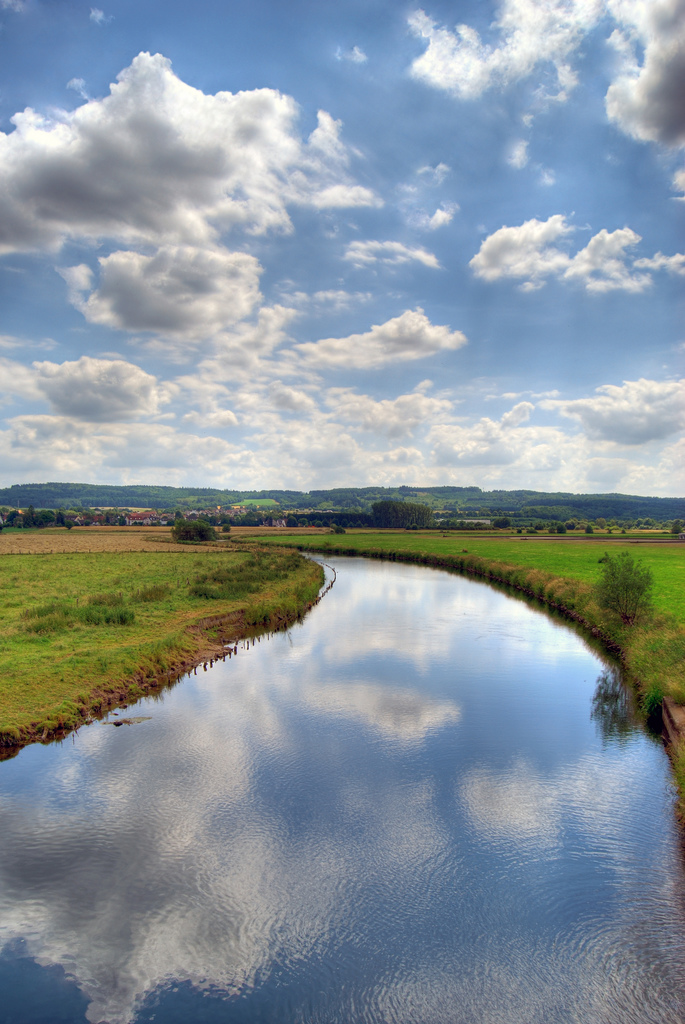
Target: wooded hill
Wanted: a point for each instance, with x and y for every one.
(460, 501)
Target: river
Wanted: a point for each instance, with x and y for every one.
(428, 802)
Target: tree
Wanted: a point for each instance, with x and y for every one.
(625, 586)
(401, 514)
(192, 531)
(501, 522)
(677, 526)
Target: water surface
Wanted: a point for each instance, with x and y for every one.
(427, 803)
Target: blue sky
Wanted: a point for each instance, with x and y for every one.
(328, 244)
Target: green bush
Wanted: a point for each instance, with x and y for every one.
(188, 531)
(624, 586)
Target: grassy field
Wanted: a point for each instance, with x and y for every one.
(95, 617)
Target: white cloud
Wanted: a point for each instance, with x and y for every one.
(115, 451)
(100, 390)
(498, 443)
(333, 298)
(633, 413)
(524, 252)
(355, 55)
(646, 97)
(289, 399)
(160, 162)
(179, 292)
(16, 379)
(78, 85)
(343, 196)
(673, 264)
(435, 175)
(601, 265)
(528, 253)
(530, 33)
(391, 253)
(99, 17)
(406, 337)
(396, 417)
(442, 216)
(518, 154)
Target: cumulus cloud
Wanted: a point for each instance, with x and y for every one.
(16, 379)
(633, 413)
(491, 442)
(442, 216)
(601, 265)
(529, 253)
(530, 35)
(289, 399)
(157, 161)
(113, 451)
(646, 97)
(179, 292)
(364, 254)
(396, 417)
(673, 264)
(408, 336)
(100, 390)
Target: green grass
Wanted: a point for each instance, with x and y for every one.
(80, 628)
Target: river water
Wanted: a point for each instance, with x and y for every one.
(428, 802)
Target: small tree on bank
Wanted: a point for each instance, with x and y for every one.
(625, 586)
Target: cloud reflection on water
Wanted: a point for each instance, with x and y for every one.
(252, 828)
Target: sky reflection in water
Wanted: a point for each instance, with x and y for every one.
(408, 809)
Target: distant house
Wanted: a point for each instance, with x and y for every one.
(141, 519)
(681, 536)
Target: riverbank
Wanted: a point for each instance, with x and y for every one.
(87, 630)
(562, 577)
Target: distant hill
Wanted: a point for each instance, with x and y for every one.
(465, 500)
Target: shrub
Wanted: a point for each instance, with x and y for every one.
(200, 530)
(561, 528)
(588, 529)
(625, 586)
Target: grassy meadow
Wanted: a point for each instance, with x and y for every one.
(94, 617)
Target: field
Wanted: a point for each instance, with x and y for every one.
(92, 617)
